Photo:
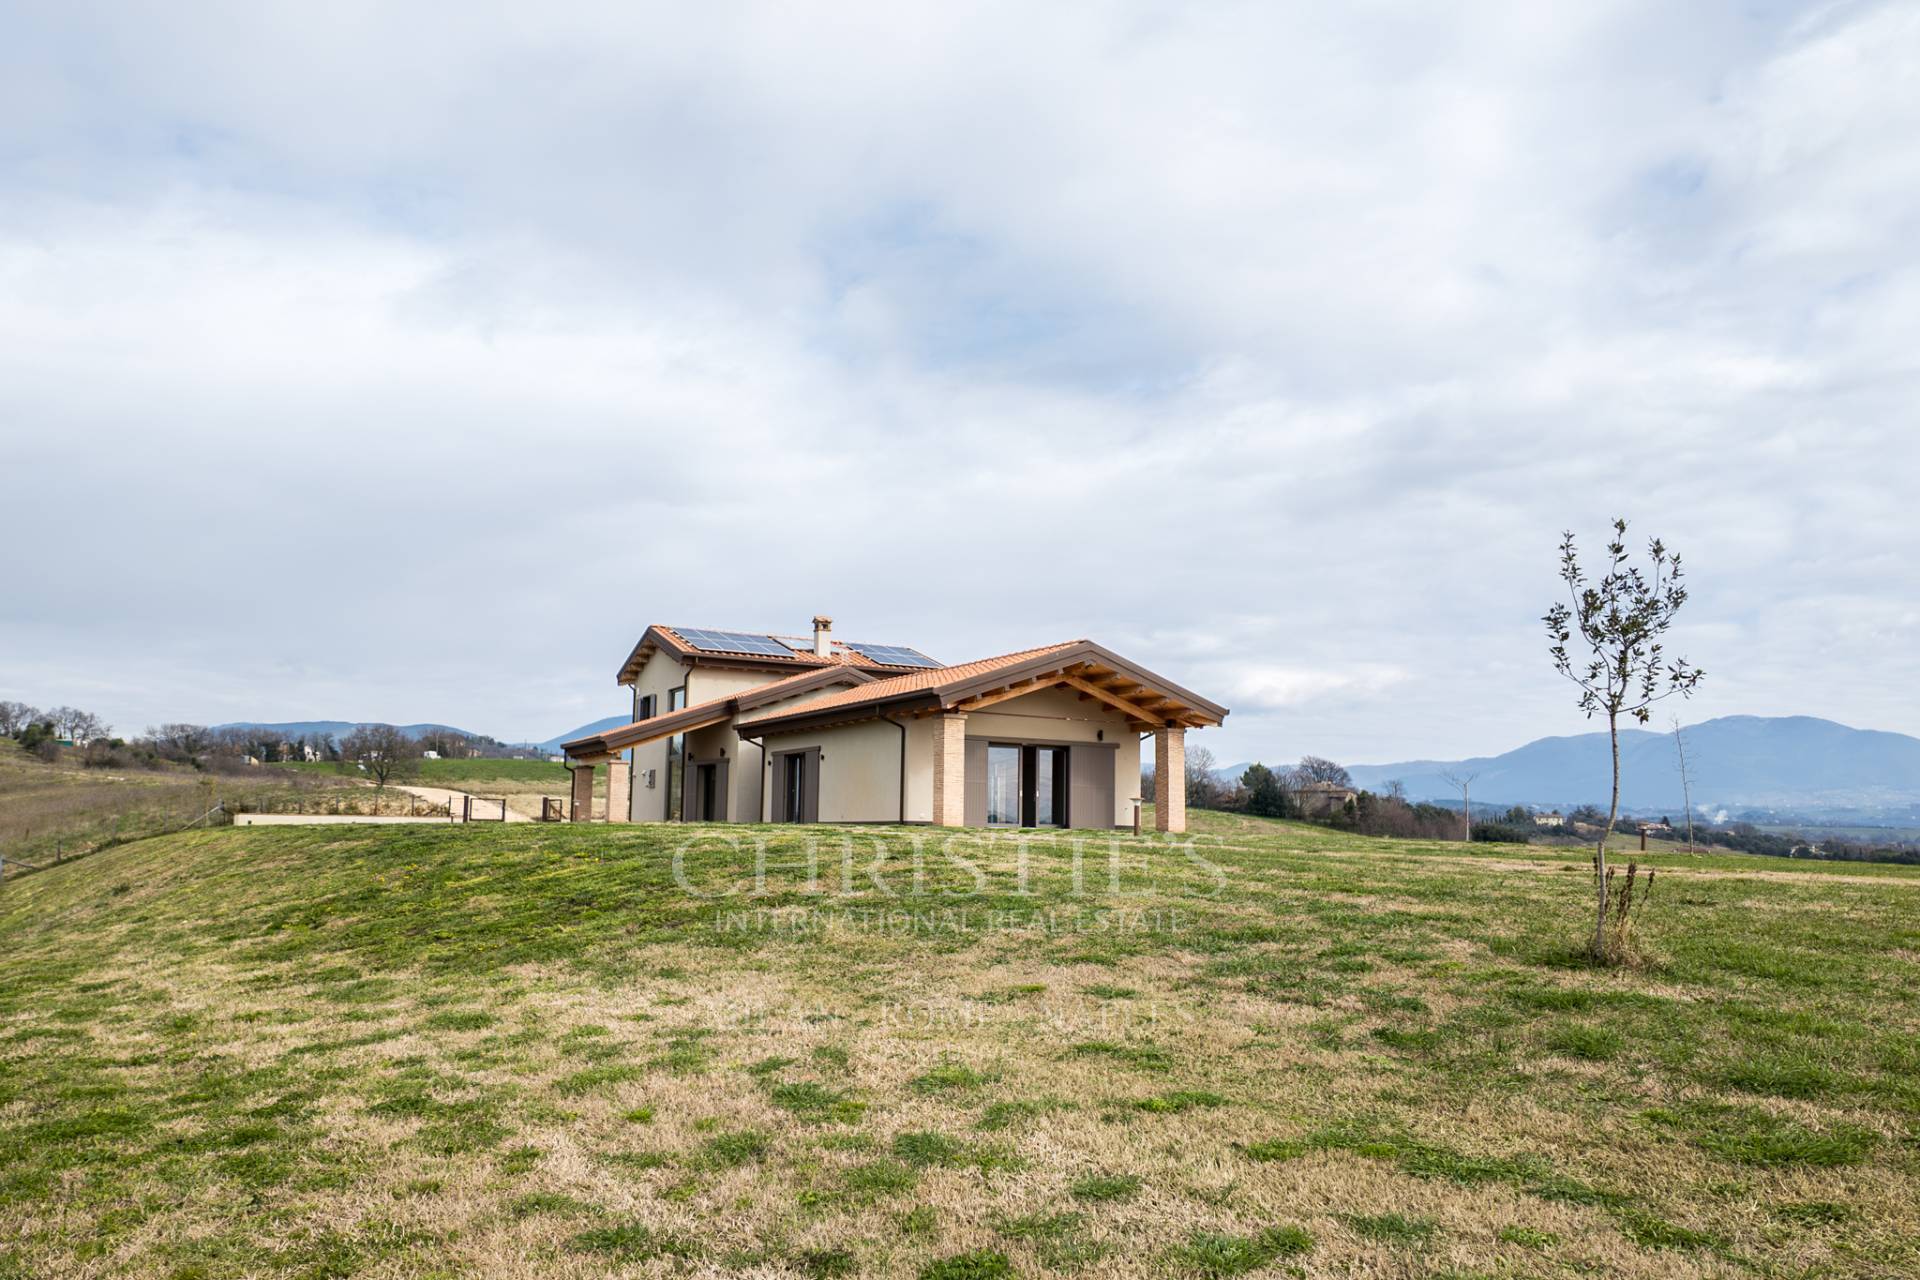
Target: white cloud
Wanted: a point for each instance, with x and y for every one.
(1281, 688)
(373, 366)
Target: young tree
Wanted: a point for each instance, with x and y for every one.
(1463, 783)
(1686, 779)
(1619, 621)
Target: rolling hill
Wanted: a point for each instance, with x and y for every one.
(292, 729)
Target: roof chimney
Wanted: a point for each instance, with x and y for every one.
(822, 636)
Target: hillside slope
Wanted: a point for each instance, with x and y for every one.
(580, 1051)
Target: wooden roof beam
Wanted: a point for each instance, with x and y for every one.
(1017, 690)
(1133, 710)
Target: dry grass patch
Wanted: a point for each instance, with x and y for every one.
(504, 1052)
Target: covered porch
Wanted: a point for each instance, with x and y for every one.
(957, 716)
(1149, 706)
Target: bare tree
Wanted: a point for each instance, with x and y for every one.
(1315, 769)
(1620, 620)
(1463, 783)
(15, 717)
(84, 726)
(1203, 788)
(386, 754)
(450, 743)
(1686, 779)
(180, 741)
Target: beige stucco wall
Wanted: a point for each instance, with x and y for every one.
(649, 802)
(747, 775)
(859, 770)
(660, 676)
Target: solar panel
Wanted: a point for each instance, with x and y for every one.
(893, 655)
(734, 642)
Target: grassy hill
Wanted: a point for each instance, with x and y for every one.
(62, 809)
(456, 773)
(539, 1051)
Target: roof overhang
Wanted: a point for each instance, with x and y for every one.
(1094, 672)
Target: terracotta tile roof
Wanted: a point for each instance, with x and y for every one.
(929, 680)
(694, 715)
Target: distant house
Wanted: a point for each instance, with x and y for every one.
(1323, 799)
(310, 754)
(429, 755)
(1554, 819)
(1660, 828)
(733, 726)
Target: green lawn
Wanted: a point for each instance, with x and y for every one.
(455, 773)
(580, 1051)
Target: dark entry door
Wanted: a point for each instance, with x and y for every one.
(797, 786)
(707, 791)
(1043, 792)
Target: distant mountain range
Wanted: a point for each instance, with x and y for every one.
(1783, 764)
(611, 722)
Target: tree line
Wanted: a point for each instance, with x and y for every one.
(1289, 791)
(380, 751)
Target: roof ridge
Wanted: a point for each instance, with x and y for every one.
(926, 678)
(732, 696)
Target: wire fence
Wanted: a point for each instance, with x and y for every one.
(12, 868)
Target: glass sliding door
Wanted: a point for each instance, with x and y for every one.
(1026, 786)
(1044, 812)
(1003, 786)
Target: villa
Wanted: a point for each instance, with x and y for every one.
(732, 726)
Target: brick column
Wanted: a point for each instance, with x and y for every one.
(581, 809)
(1170, 780)
(950, 770)
(619, 791)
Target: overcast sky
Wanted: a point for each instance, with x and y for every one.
(367, 364)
